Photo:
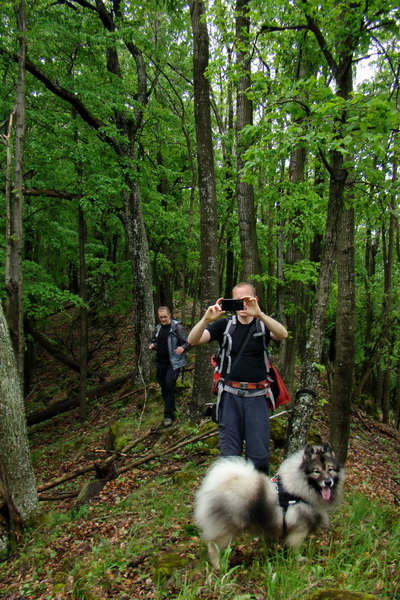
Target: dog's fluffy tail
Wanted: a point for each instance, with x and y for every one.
(235, 496)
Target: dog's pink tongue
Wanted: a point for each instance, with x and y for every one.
(326, 493)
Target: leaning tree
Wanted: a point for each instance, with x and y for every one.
(16, 472)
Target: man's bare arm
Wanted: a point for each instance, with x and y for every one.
(199, 334)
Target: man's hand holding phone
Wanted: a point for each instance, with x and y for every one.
(231, 304)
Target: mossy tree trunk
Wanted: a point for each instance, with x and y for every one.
(16, 471)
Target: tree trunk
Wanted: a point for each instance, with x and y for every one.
(397, 399)
(371, 249)
(244, 190)
(143, 316)
(8, 175)
(208, 214)
(386, 396)
(14, 304)
(83, 315)
(16, 471)
(305, 401)
(343, 370)
(294, 293)
(388, 254)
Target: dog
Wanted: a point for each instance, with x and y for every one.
(234, 496)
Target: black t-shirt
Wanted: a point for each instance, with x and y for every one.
(162, 344)
(251, 364)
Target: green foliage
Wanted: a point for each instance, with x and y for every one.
(41, 296)
(296, 105)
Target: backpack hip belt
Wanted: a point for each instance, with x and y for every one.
(244, 385)
(245, 393)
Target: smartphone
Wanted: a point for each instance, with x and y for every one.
(231, 305)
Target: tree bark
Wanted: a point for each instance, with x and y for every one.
(14, 303)
(141, 270)
(343, 369)
(8, 175)
(83, 315)
(294, 293)
(388, 254)
(208, 214)
(16, 471)
(244, 190)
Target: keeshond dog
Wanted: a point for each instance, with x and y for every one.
(234, 496)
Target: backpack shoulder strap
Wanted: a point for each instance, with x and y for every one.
(261, 330)
(224, 351)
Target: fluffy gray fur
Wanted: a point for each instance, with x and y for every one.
(234, 496)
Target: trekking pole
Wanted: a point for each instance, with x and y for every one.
(279, 414)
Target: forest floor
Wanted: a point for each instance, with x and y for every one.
(120, 543)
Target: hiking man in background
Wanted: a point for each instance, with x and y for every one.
(171, 343)
(242, 407)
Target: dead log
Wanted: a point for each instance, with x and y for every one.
(73, 402)
(55, 351)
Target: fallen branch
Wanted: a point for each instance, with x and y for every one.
(70, 403)
(53, 349)
(56, 497)
(136, 463)
(131, 393)
(92, 467)
(172, 448)
(67, 477)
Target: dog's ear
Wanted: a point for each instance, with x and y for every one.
(309, 452)
(327, 448)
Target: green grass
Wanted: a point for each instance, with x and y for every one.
(145, 518)
(358, 554)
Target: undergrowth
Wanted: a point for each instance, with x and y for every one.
(358, 554)
(137, 539)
